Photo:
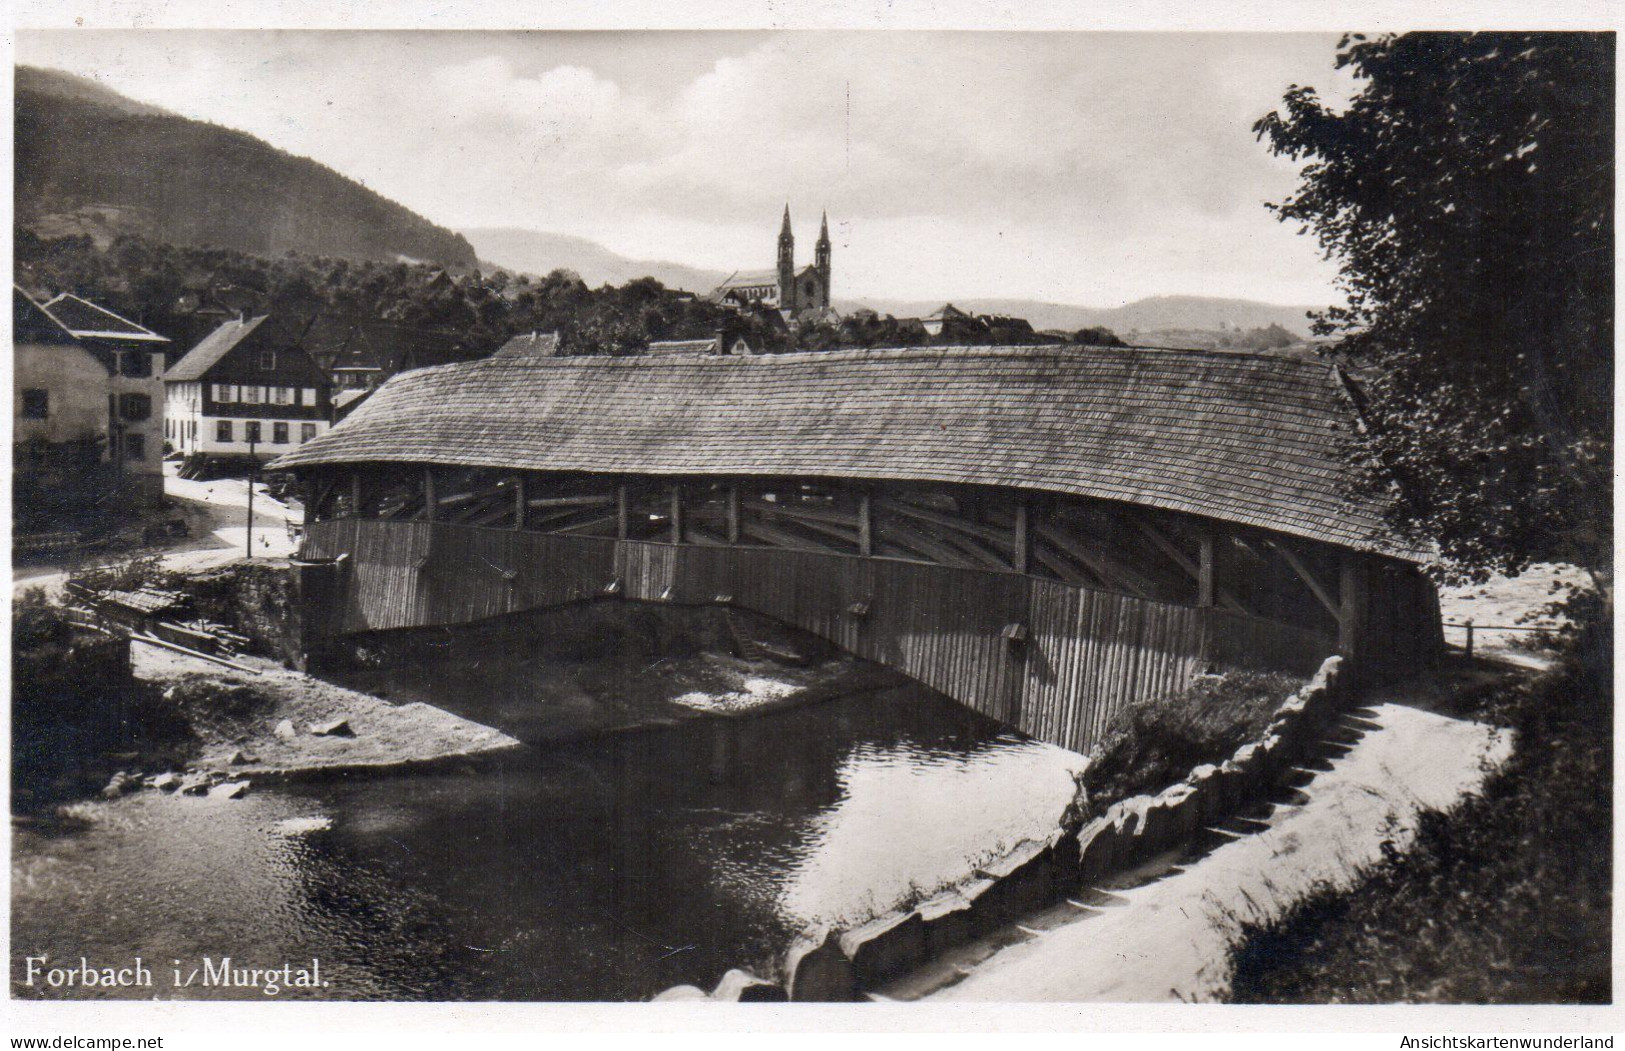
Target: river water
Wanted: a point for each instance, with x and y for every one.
(604, 869)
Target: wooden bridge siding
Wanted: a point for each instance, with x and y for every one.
(1238, 640)
(943, 626)
(1088, 653)
(1093, 652)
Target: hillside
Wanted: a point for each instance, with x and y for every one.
(536, 252)
(90, 161)
(69, 85)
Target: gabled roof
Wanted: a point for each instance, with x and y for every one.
(345, 398)
(262, 333)
(32, 323)
(683, 346)
(749, 279)
(356, 355)
(530, 345)
(89, 321)
(944, 312)
(1245, 439)
(216, 345)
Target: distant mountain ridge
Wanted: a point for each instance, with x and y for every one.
(89, 160)
(536, 252)
(540, 253)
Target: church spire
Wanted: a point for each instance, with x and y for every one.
(787, 264)
(821, 261)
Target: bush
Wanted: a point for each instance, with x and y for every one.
(1149, 746)
(37, 622)
(1504, 898)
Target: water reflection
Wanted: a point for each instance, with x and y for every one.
(605, 869)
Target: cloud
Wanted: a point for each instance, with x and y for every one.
(1083, 167)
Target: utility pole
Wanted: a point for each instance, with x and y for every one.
(253, 469)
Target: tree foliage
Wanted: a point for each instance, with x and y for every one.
(1467, 192)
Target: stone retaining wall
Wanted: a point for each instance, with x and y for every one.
(839, 965)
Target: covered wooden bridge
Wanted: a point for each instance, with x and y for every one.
(1043, 534)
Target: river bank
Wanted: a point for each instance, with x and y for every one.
(285, 723)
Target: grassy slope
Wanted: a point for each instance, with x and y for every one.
(1503, 899)
(1149, 746)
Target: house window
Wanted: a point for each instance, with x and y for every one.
(279, 434)
(307, 431)
(251, 395)
(222, 431)
(135, 446)
(135, 406)
(136, 364)
(307, 396)
(267, 360)
(284, 395)
(36, 403)
(253, 428)
(224, 393)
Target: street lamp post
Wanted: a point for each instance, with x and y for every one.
(253, 469)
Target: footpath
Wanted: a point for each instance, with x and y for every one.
(1162, 934)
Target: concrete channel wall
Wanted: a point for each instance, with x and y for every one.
(839, 965)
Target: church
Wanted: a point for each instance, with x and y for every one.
(794, 293)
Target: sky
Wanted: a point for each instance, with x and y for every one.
(1086, 168)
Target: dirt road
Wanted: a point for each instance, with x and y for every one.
(215, 514)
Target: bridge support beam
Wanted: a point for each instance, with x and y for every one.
(1204, 565)
(1018, 546)
(1351, 610)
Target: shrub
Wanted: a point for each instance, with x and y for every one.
(1504, 898)
(1149, 746)
(37, 622)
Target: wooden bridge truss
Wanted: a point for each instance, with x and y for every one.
(1099, 545)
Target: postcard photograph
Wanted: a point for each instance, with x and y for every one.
(812, 516)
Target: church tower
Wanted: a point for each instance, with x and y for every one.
(787, 264)
(821, 262)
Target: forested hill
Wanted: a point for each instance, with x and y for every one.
(90, 161)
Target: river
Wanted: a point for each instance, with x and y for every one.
(609, 868)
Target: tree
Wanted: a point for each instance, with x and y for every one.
(1097, 336)
(1467, 192)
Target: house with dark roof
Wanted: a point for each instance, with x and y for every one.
(531, 345)
(728, 340)
(85, 422)
(250, 385)
(360, 353)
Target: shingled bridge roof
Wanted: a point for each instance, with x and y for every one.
(1242, 438)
